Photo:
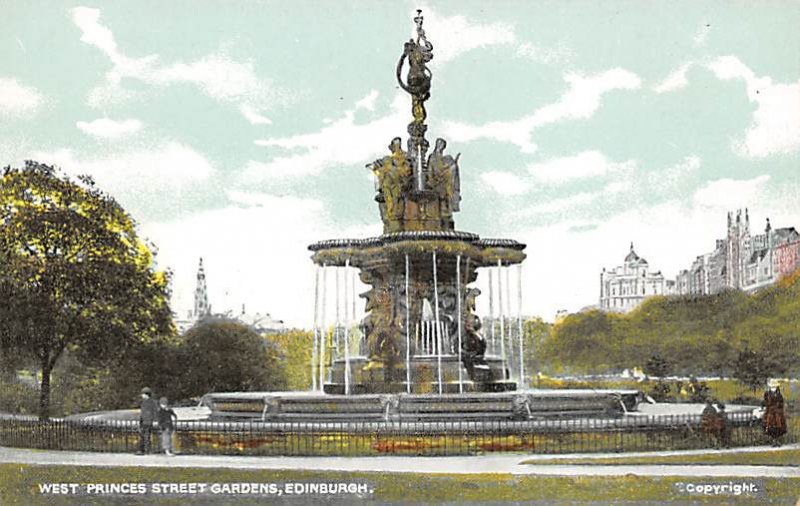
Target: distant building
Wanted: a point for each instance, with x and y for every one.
(625, 287)
(262, 323)
(202, 308)
(742, 261)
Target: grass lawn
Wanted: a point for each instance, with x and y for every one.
(766, 458)
(19, 484)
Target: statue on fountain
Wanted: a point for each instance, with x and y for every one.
(393, 179)
(444, 179)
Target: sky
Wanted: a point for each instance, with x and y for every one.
(238, 131)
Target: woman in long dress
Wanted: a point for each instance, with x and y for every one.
(774, 415)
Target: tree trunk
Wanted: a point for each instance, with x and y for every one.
(44, 391)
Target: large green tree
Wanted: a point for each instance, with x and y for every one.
(536, 332)
(221, 355)
(295, 347)
(73, 273)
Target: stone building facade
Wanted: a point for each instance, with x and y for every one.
(626, 286)
(740, 261)
(743, 261)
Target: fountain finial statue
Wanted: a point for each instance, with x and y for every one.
(418, 53)
(418, 84)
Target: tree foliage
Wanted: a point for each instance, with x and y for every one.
(295, 346)
(657, 366)
(753, 369)
(73, 273)
(536, 332)
(220, 355)
(695, 335)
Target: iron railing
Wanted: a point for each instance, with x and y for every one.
(551, 436)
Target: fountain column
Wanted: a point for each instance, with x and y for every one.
(507, 316)
(316, 331)
(491, 313)
(438, 334)
(324, 334)
(460, 319)
(346, 333)
(408, 330)
(353, 308)
(500, 314)
(338, 323)
(520, 329)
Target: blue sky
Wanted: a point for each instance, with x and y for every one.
(238, 130)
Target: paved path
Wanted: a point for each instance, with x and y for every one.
(500, 464)
(666, 453)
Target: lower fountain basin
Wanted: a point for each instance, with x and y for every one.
(483, 406)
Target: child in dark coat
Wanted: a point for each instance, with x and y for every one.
(166, 423)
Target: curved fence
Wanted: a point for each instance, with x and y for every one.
(634, 433)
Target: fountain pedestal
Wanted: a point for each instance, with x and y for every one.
(421, 333)
(424, 374)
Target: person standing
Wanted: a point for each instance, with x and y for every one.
(166, 423)
(725, 426)
(711, 423)
(147, 416)
(774, 415)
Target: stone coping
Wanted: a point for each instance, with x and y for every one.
(417, 235)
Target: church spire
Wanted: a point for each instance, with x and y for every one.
(201, 306)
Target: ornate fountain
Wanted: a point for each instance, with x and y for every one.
(420, 333)
(419, 354)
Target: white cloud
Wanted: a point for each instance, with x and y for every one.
(217, 75)
(776, 122)
(580, 101)
(586, 164)
(688, 164)
(164, 166)
(453, 35)
(549, 56)
(675, 81)
(669, 178)
(339, 142)
(701, 35)
(255, 252)
(726, 194)
(505, 183)
(615, 187)
(108, 128)
(253, 116)
(558, 205)
(95, 34)
(368, 102)
(567, 257)
(17, 99)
